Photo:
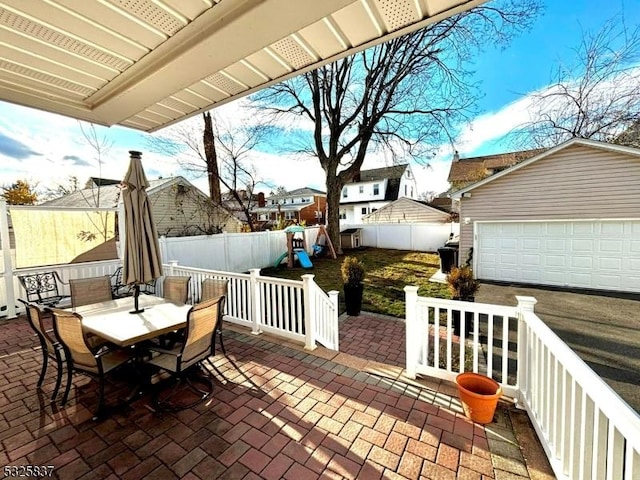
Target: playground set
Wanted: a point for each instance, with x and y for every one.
(297, 248)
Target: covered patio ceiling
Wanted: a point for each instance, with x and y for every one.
(146, 64)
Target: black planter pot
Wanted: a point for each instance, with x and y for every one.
(353, 298)
(468, 318)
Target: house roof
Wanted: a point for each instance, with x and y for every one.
(475, 168)
(395, 203)
(297, 192)
(569, 143)
(393, 172)
(148, 64)
(441, 203)
(109, 194)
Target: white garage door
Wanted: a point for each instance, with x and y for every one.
(599, 255)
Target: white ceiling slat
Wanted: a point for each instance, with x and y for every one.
(323, 39)
(265, 62)
(10, 54)
(245, 74)
(57, 54)
(38, 81)
(148, 63)
(356, 24)
(192, 98)
(109, 17)
(70, 24)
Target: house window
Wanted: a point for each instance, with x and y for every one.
(411, 192)
(289, 215)
(344, 192)
(361, 189)
(376, 188)
(343, 214)
(263, 216)
(374, 210)
(405, 190)
(364, 210)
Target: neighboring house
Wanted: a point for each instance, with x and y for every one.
(407, 210)
(230, 202)
(301, 205)
(178, 207)
(568, 217)
(465, 171)
(373, 189)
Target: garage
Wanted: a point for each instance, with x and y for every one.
(568, 217)
(602, 255)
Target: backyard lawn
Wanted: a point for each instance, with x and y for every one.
(387, 273)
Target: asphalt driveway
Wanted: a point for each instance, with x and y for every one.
(604, 331)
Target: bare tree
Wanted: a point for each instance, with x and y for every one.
(597, 97)
(404, 96)
(220, 151)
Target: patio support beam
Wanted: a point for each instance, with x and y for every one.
(6, 253)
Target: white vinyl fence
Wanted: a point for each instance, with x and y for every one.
(420, 237)
(231, 252)
(586, 429)
(295, 309)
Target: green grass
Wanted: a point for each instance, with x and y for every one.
(387, 273)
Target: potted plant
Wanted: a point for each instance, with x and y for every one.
(463, 287)
(352, 275)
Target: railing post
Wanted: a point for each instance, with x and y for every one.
(254, 293)
(309, 312)
(334, 298)
(525, 304)
(411, 327)
(172, 265)
(6, 255)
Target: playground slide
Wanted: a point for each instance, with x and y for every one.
(303, 258)
(280, 259)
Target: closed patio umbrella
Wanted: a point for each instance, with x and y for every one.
(141, 263)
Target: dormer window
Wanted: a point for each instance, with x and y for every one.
(361, 189)
(376, 188)
(344, 192)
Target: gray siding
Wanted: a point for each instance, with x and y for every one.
(177, 214)
(406, 211)
(577, 182)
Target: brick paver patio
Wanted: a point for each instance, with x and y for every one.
(277, 411)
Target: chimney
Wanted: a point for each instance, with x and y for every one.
(456, 156)
(261, 200)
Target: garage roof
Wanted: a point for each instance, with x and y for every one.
(146, 64)
(574, 141)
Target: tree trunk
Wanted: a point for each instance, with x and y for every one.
(211, 159)
(334, 189)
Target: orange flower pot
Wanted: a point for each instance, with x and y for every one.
(479, 395)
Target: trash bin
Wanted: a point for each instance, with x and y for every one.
(448, 258)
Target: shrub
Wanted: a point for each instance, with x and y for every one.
(461, 282)
(352, 271)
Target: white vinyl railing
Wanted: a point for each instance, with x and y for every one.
(324, 308)
(286, 308)
(586, 429)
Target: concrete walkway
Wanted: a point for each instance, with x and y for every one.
(277, 411)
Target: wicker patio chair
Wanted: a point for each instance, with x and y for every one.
(51, 347)
(213, 288)
(82, 356)
(85, 291)
(43, 288)
(176, 289)
(182, 360)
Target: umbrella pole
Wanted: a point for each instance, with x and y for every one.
(136, 294)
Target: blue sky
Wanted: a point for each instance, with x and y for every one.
(45, 149)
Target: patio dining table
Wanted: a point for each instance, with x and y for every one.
(112, 321)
